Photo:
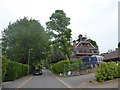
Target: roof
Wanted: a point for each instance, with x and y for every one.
(112, 55)
(85, 46)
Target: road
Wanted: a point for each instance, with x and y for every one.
(48, 80)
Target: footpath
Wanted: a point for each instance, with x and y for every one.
(88, 81)
(108, 84)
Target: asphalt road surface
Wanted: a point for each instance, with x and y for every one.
(49, 80)
(75, 81)
(46, 80)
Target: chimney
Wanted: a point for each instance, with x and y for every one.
(74, 43)
(80, 37)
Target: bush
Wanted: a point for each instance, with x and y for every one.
(60, 67)
(112, 70)
(106, 71)
(12, 70)
(101, 72)
(118, 69)
(4, 64)
(66, 65)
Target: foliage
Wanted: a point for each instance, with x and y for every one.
(60, 66)
(106, 71)
(66, 65)
(118, 69)
(4, 64)
(37, 65)
(13, 70)
(101, 72)
(60, 34)
(56, 55)
(112, 70)
(22, 36)
(93, 42)
(119, 45)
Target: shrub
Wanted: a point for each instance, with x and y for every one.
(13, 70)
(4, 64)
(112, 70)
(101, 72)
(106, 71)
(66, 65)
(75, 65)
(118, 69)
(61, 66)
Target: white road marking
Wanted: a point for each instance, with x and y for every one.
(61, 81)
(25, 82)
(51, 73)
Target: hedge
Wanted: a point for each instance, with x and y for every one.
(12, 70)
(66, 65)
(107, 71)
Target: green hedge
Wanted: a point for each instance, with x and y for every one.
(107, 71)
(12, 70)
(118, 69)
(66, 65)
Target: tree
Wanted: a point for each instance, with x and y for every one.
(119, 45)
(56, 55)
(93, 43)
(23, 35)
(59, 32)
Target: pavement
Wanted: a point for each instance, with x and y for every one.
(88, 81)
(107, 84)
(15, 83)
(75, 81)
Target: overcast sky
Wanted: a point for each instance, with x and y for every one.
(96, 18)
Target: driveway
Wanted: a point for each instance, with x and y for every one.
(75, 81)
(88, 81)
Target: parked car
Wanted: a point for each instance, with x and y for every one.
(37, 72)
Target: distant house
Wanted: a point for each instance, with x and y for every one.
(83, 48)
(112, 56)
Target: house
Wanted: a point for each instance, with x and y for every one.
(83, 48)
(112, 56)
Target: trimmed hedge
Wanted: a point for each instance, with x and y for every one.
(66, 65)
(107, 71)
(12, 70)
(118, 69)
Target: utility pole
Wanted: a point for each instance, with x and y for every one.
(29, 59)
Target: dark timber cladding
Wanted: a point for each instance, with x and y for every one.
(83, 48)
(112, 56)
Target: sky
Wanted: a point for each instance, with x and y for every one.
(98, 19)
